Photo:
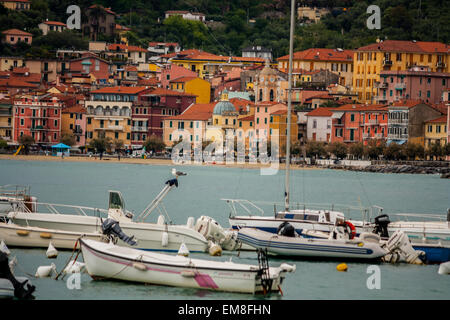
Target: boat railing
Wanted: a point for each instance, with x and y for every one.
(246, 205)
(41, 207)
(420, 216)
(14, 190)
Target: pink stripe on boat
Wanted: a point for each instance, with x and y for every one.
(205, 281)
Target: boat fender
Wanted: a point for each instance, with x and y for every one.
(22, 233)
(444, 268)
(352, 232)
(4, 248)
(51, 253)
(160, 220)
(215, 250)
(165, 239)
(188, 273)
(45, 235)
(74, 267)
(342, 267)
(288, 267)
(45, 271)
(183, 251)
(139, 266)
(190, 222)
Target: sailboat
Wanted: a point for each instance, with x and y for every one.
(160, 236)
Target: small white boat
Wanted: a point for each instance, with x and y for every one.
(106, 260)
(20, 236)
(355, 249)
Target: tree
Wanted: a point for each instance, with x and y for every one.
(315, 149)
(357, 150)
(154, 144)
(375, 148)
(117, 145)
(68, 139)
(100, 144)
(394, 151)
(435, 151)
(413, 150)
(339, 149)
(3, 144)
(27, 141)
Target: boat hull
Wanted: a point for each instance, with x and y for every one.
(153, 268)
(148, 235)
(310, 248)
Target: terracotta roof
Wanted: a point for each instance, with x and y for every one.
(120, 90)
(108, 10)
(115, 46)
(321, 54)
(167, 92)
(165, 44)
(407, 103)
(184, 79)
(55, 23)
(442, 119)
(239, 102)
(321, 96)
(407, 46)
(266, 103)
(15, 1)
(16, 83)
(321, 112)
(16, 32)
(75, 109)
(247, 118)
(441, 107)
(131, 68)
(361, 107)
(198, 111)
(119, 27)
(148, 82)
(136, 49)
(21, 70)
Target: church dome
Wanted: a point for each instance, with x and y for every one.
(223, 106)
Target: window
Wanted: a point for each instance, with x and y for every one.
(128, 136)
(314, 124)
(257, 120)
(56, 111)
(116, 135)
(22, 122)
(170, 124)
(170, 137)
(428, 93)
(352, 117)
(438, 129)
(56, 123)
(89, 120)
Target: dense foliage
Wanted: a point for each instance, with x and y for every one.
(235, 24)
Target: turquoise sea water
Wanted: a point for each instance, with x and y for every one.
(199, 193)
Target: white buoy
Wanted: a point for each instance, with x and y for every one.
(444, 268)
(160, 220)
(4, 248)
(45, 271)
(190, 222)
(165, 239)
(74, 267)
(183, 251)
(52, 253)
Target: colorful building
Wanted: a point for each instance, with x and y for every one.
(279, 121)
(394, 55)
(337, 61)
(318, 126)
(38, 117)
(13, 36)
(6, 119)
(354, 123)
(436, 131)
(263, 111)
(193, 85)
(16, 4)
(74, 123)
(416, 83)
(406, 121)
(90, 64)
(54, 26)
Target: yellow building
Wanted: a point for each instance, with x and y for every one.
(436, 131)
(7, 63)
(6, 119)
(193, 85)
(16, 4)
(278, 121)
(394, 55)
(206, 64)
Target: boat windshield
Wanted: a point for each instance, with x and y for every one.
(115, 200)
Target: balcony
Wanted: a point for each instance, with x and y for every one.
(440, 64)
(387, 63)
(112, 128)
(381, 85)
(5, 126)
(77, 132)
(398, 121)
(400, 86)
(139, 129)
(38, 128)
(372, 122)
(398, 136)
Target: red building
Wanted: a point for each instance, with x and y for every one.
(151, 108)
(93, 65)
(39, 117)
(353, 123)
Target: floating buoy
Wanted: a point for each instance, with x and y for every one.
(45, 271)
(342, 267)
(215, 250)
(444, 268)
(74, 267)
(52, 253)
(4, 248)
(22, 233)
(165, 239)
(45, 235)
(183, 251)
(139, 266)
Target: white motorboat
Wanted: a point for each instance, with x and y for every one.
(366, 247)
(106, 260)
(22, 236)
(159, 236)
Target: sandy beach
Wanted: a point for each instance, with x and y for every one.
(149, 161)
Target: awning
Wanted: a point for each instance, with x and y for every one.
(61, 146)
(395, 141)
(337, 115)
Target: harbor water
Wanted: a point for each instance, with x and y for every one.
(200, 193)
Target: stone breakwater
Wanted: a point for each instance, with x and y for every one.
(442, 168)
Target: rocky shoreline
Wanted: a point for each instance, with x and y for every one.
(442, 168)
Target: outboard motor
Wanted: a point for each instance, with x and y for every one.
(22, 290)
(381, 225)
(111, 228)
(286, 229)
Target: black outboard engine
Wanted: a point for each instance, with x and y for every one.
(381, 225)
(111, 228)
(22, 290)
(286, 229)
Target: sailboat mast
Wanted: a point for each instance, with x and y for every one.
(288, 133)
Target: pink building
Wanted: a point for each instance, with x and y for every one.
(417, 83)
(171, 72)
(91, 64)
(12, 36)
(262, 115)
(74, 122)
(39, 118)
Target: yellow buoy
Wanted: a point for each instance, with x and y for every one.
(22, 232)
(45, 235)
(342, 267)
